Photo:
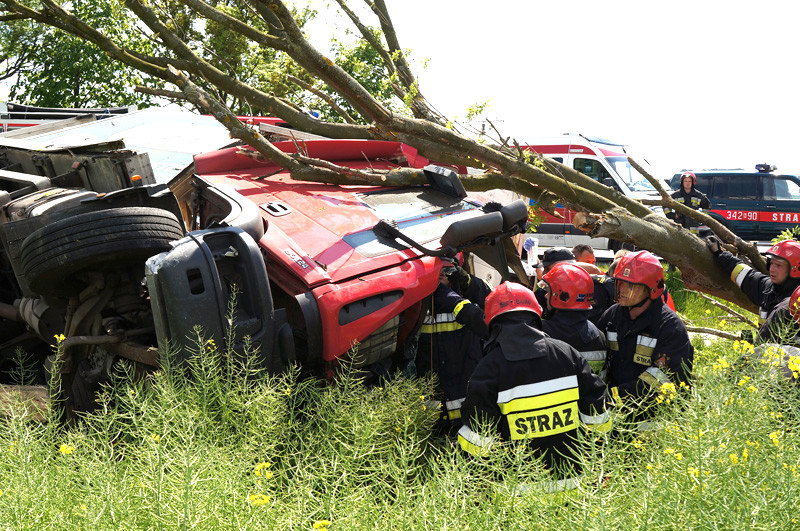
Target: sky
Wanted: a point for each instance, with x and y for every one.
(686, 84)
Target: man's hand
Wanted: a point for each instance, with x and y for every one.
(459, 278)
(714, 245)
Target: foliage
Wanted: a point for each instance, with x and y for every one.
(788, 234)
(363, 62)
(214, 444)
(55, 69)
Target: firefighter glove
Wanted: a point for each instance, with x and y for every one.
(714, 245)
(459, 278)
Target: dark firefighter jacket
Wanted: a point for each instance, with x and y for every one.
(694, 199)
(531, 388)
(755, 285)
(645, 353)
(603, 298)
(450, 345)
(779, 327)
(574, 328)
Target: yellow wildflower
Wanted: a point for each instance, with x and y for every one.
(321, 524)
(744, 380)
(734, 459)
(668, 451)
(66, 449)
(257, 500)
(60, 337)
(156, 438)
(261, 469)
(693, 472)
(775, 437)
(752, 388)
(708, 311)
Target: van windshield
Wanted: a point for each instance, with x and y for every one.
(632, 178)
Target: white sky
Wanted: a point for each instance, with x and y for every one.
(687, 84)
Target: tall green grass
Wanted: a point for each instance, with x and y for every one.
(217, 445)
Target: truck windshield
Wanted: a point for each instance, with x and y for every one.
(422, 214)
(632, 178)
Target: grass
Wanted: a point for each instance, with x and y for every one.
(219, 446)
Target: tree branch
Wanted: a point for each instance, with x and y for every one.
(746, 249)
(324, 97)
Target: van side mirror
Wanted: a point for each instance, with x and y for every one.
(608, 181)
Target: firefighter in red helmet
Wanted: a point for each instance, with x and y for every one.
(648, 345)
(692, 198)
(529, 387)
(780, 339)
(765, 291)
(781, 325)
(569, 290)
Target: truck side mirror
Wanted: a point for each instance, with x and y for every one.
(467, 230)
(445, 180)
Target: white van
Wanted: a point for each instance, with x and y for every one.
(602, 160)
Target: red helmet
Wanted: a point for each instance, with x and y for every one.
(794, 304)
(510, 297)
(571, 287)
(789, 250)
(689, 174)
(643, 268)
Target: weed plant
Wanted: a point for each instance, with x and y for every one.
(216, 444)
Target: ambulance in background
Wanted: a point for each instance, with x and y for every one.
(602, 160)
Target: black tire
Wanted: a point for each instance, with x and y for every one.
(105, 238)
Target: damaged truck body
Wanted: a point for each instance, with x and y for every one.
(117, 260)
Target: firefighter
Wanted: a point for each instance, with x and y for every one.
(781, 323)
(692, 198)
(780, 348)
(765, 291)
(648, 345)
(551, 257)
(569, 291)
(529, 387)
(449, 345)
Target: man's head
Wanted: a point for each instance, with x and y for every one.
(639, 277)
(555, 255)
(688, 180)
(448, 268)
(783, 261)
(583, 253)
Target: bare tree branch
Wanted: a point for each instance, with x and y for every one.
(729, 310)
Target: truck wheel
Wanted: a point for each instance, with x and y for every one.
(52, 254)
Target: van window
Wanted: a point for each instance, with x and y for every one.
(781, 188)
(736, 186)
(591, 168)
(703, 184)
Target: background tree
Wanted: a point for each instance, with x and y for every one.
(273, 27)
(53, 68)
